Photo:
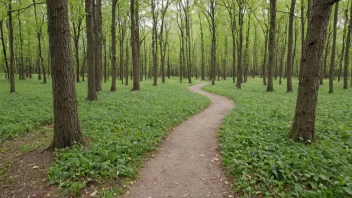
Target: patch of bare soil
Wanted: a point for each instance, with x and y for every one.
(24, 165)
(188, 164)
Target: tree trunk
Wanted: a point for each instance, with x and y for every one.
(333, 51)
(270, 87)
(126, 63)
(98, 33)
(4, 50)
(240, 46)
(92, 95)
(135, 42)
(303, 128)
(12, 53)
(347, 51)
(67, 129)
(113, 46)
(289, 49)
(155, 43)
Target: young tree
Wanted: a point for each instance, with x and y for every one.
(333, 51)
(113, 46)
(289, 50)
(134, 10)
(347, 51)
(12, 53)
(303, 127)
(92, 95)
(271, 44)
(67, 129)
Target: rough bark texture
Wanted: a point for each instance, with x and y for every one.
(347, 52)
(92, 95)
(98, 33)
(113, 46)
(67, 130)
(155, 42)
(290, 45)
(12, 53)
(333, 51)
(303, 128)
(135, 42)
(270, 86)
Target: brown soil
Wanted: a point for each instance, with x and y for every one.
(188, 164)
(24, 165)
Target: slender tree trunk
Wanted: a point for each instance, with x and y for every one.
(347, 51)
(98, 34)
(303, 127)
(270, 87)
(126, 63)
(135, 42)
(239, 52)
(67, 129)
(12, 53)
(92, 95)
(105, 60)
(4, 50)
(113, 46)
(289, 49)
(333, 51)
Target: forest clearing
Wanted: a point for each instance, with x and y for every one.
(175, 98)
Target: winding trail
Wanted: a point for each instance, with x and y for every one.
(188, 164)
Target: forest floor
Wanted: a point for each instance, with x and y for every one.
(188, 164)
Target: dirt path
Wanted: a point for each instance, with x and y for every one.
(188, 164)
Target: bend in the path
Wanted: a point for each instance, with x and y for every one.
(188, 164)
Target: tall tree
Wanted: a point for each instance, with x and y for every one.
(155, 41)
(347, 51)
(333, 50)
(113, 46)
(290, 46)
(162, 41)
(67, 129)
(303, 127)
(39, 27)
(4, 50)
(12, 53)
(270, 86)
(98, 33)
(92, 95)
(134, 10)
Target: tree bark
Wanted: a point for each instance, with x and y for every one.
(12, 53)
(113, 46)
(290, 45)
(135, 42)
(67, 129)
(347, 51)
(92, 95)
(333, 51)
(155, 42)
(303, 127)
(270, 87)
(4, 50)
(98, 33)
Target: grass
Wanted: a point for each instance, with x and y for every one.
(123, 126)
(261, 158)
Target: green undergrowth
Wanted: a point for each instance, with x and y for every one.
(261, 158)
(122, 126)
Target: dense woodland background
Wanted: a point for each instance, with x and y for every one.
(262, 54)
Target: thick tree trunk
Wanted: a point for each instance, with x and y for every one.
(67, 129)
(135, 42)
(333, 51)
(270, 87)
(303, 128)
(113, 46)
(92, 95)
